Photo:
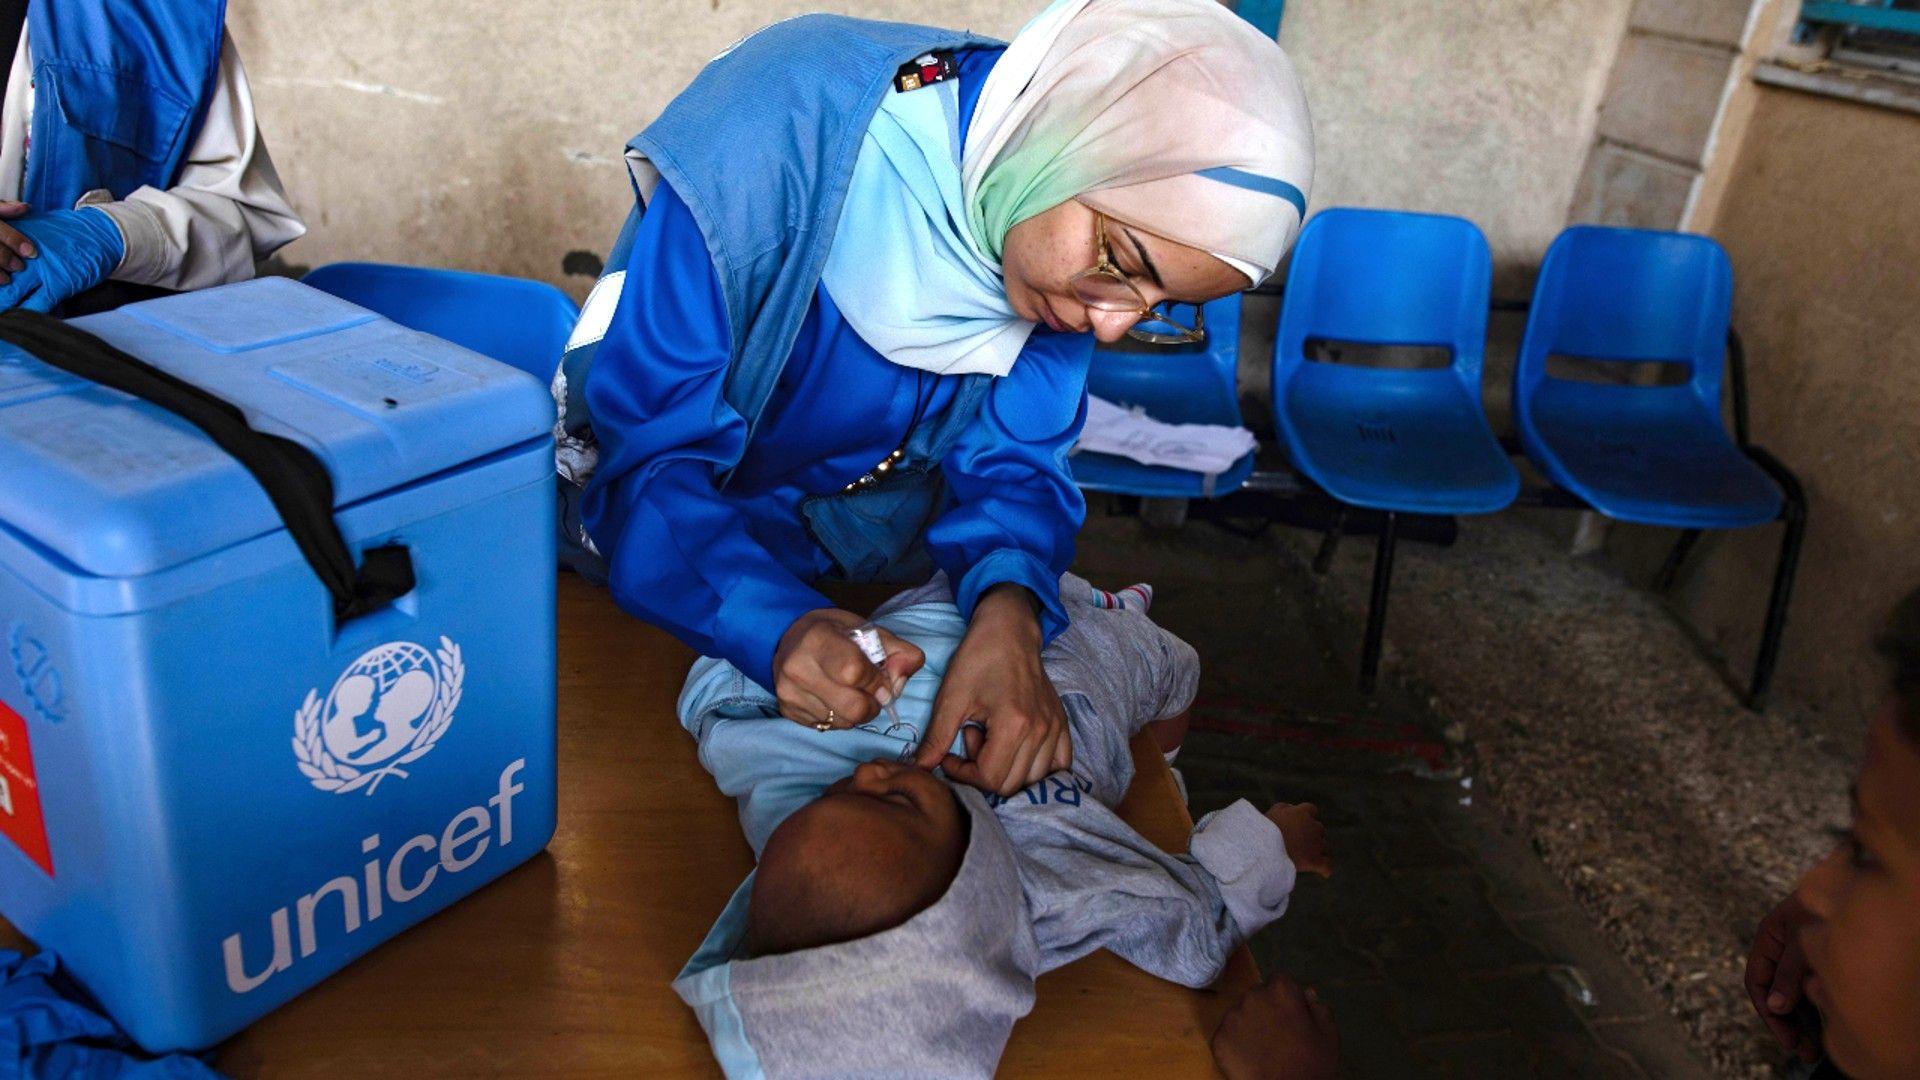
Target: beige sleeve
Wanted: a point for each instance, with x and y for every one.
(227, 211)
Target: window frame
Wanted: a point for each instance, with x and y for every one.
(1837, 22)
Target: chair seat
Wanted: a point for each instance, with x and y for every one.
(1184, 385)
(1124, 476)
(1650, 455)
(1410, 441)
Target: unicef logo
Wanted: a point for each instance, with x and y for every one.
(386, 710)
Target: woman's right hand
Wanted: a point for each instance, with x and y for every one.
(820, 675)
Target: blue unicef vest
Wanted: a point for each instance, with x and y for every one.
(761, 147)
(120, 87)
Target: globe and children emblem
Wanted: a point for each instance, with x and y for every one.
(387, 709)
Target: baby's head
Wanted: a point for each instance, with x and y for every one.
(874, 850)
(1863, 943)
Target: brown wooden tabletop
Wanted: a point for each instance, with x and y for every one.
(562, 967)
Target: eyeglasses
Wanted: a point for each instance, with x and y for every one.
(1104, 287)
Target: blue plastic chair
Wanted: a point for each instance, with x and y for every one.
(1178, 385)
(1653, 455)
(1393, 441)
(512, 320)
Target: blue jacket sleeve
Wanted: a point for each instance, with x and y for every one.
(679, 553)
(1016, 510)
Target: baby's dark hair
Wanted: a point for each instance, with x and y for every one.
(804, 911)
(1900, 643)
(822, 882)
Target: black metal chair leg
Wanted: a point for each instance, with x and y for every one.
(1675, 558)
(1323, 558)
(1377, 604)
(1795, 519)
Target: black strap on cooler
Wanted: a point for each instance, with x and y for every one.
(294, 479)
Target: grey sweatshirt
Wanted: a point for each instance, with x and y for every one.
(1049, 875)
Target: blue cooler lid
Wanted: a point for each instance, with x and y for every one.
(120, 488)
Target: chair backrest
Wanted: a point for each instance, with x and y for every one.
(512, 320)
(1630, 295)
(1186, 384)
(1385, 277)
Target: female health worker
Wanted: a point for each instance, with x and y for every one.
(845, 333)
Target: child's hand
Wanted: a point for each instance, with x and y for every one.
(1777, 975)
(1305, 837)
(1277, 1032)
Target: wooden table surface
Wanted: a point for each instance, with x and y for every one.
(562, 967)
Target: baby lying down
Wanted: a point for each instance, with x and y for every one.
(896, 923)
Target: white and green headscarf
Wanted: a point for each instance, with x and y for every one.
(1174, 116)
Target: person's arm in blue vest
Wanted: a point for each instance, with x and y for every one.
(679, 554)
(224, 213)
(1004, 544)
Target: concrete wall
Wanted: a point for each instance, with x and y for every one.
(1819, 217)
(486, 134)
(1481, 108)
(1664, 109)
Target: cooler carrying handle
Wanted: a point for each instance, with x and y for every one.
(293, 477)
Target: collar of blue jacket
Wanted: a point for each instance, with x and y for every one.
(809, 87)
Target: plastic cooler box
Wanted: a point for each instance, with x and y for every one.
(214, 793)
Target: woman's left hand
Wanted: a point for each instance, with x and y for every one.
(997, 681)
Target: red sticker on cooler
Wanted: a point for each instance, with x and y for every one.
(20, 816)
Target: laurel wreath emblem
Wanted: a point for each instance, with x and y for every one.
(330, 774)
